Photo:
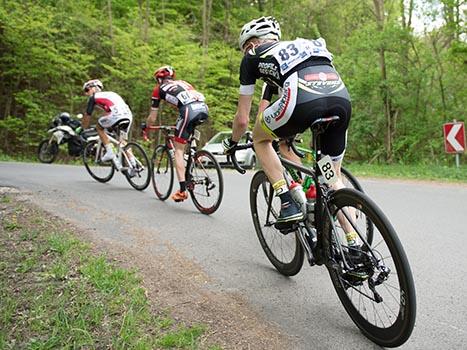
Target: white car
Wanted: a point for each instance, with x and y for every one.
(246, 158)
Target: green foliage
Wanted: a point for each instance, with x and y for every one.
(49, 47)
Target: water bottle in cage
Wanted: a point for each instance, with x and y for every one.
(296, 191)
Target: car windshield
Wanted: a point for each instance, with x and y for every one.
(219, 137)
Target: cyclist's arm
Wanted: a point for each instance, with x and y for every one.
(155, 102)
(240, 123)
(152, 117)
(87, 115)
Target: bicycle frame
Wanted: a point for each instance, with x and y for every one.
(118, 143)
(169, 143)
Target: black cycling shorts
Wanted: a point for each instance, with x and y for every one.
(313, 92)
(190, 116)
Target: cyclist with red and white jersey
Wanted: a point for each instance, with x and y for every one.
(115, 111)
(301, 73)
(192, 109)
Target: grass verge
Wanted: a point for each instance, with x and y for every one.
(404, 171)
(55, 293)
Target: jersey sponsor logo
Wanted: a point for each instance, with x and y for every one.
(283, 103)
(171, 99)
(268, 68)
(322, 82)
(321, 76)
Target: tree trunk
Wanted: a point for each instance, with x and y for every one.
(146, 22)
(207, 5)
(260, 6)
(109, 9)
(440, 75)
(228, 7)
(380, 18)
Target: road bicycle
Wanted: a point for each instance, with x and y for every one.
(373, 280)
(138, 175)
(203, 174)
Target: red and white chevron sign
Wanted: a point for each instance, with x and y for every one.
(454, 137)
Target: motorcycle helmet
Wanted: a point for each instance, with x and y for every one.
(65, 118)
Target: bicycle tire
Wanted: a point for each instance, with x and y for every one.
(100, 171)
(270, 238)
(162, 172)
(51, 150)
(204, 181)
(143, 167)
(373, 325)
(351, 179)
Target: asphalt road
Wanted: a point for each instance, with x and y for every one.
(430, 218)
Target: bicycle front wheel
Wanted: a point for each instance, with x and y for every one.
(100, 171)
(374, 283)
(206, 185)
(283, 251)
(162, 173)
(138, 175)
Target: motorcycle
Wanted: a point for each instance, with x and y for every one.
(62, 130)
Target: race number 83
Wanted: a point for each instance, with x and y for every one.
(327, 170)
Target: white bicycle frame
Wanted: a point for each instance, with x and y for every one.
(117, 143)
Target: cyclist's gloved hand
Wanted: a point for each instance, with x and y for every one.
(143, 126)
(79, 130)
(229, 145)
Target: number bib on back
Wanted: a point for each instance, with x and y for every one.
(291, 53)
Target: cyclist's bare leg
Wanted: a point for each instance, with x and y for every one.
(266, 154)
(179, 161)
(287, 152)
(103, 136)
(346, 225)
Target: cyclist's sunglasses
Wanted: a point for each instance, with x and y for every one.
(86, 89)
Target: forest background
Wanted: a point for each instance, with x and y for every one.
(403, 61)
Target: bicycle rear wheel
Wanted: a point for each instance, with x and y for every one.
(138, 176)
(162, 173)
(100, 171)
(283, 251)
(47, 152)
(206, 185)
(376, 287)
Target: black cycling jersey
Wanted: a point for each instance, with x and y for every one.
(175, 92)
(263, 63)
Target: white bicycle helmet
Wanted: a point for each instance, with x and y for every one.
(93, 83)
(263, 27)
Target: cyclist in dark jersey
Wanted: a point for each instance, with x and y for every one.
(192, 108)
(301, 73)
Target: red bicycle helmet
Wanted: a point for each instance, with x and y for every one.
(163, 73)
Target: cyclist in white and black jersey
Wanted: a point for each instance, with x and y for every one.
(301, 73)
(192, 110)
(115, 111)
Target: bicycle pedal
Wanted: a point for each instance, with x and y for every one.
(286, 230)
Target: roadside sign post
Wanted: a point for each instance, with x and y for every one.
(454, 139)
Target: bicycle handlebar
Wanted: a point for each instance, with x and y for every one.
(234, 158)
(164, 128)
